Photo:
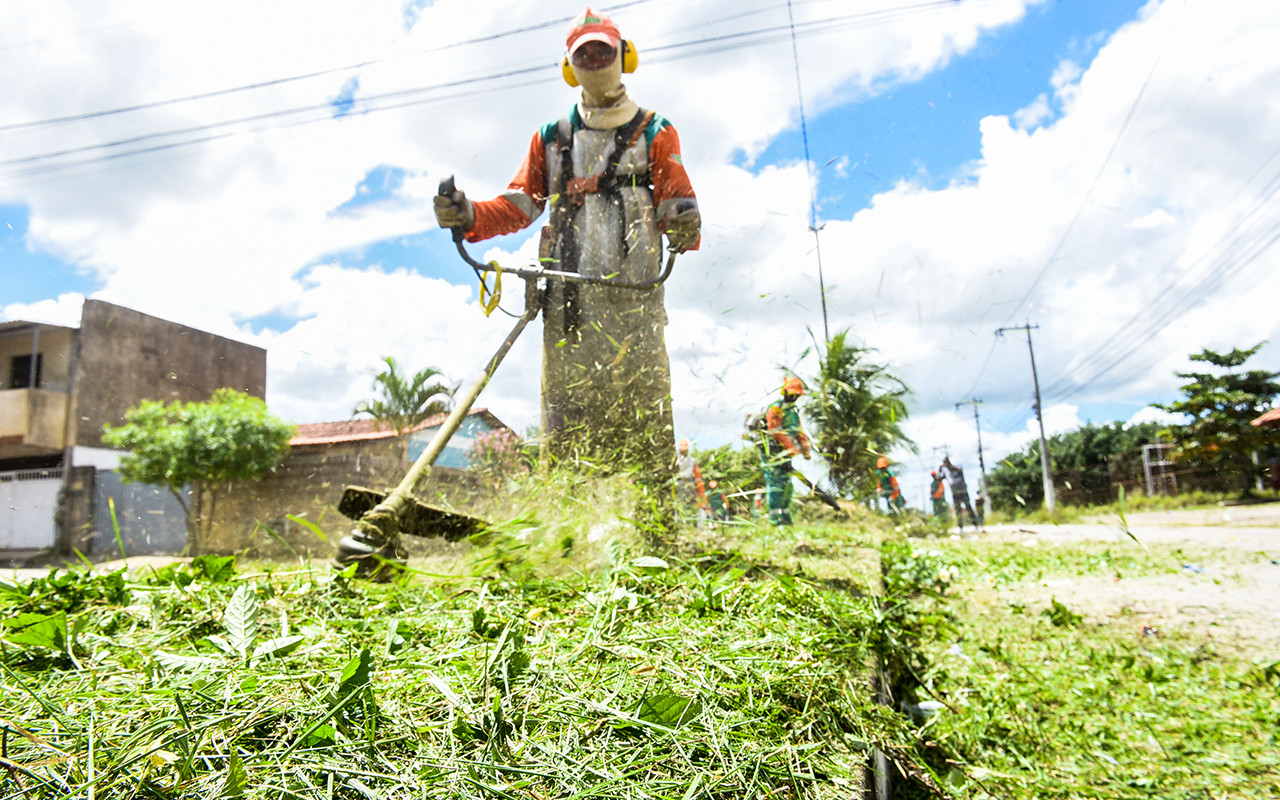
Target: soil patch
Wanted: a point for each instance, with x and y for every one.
(1226, 595)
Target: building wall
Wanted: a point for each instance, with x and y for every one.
(253, 517)
(126, 357)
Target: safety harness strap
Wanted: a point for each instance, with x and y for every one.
(572, 192)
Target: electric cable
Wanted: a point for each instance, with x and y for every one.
(725, 42)
(808, 166)
(288, 79)
(1115, 143)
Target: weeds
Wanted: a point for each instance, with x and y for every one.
(706, 675)
(563, 657)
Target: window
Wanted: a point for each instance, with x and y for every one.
(20, 372)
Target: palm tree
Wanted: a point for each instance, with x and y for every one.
(855, 412)
(402, 404)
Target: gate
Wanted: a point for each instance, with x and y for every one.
(148, 519)
(28, 500)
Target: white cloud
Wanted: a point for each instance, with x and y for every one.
(1110, 207)
(1034, 114)
(63, 310)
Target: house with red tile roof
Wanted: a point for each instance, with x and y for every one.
(350, 434)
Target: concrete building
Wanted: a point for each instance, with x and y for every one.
(59, 386)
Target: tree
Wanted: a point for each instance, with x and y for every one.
(402, 404)
(231, 437)
(855, 410)
(1085, 462)
(1221, 406)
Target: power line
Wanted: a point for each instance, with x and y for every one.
(1236, 249)
(1124, 126)
(808, 166)
(703, 46)
(288, 79)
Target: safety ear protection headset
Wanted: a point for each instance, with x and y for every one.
(630, 60)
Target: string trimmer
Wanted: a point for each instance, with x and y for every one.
(381, 517)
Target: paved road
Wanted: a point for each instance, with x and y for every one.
(1251, 527)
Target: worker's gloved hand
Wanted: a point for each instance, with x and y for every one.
(683, 226)
(455, 210)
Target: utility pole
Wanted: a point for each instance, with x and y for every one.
(982, 466)
(1049, 499)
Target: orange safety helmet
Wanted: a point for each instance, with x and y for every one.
(792, 386)
(882, 462)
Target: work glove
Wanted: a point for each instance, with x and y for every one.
(683, 226)
(455, 210)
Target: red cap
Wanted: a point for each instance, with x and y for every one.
(592, 27)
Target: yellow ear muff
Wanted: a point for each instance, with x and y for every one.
(566, 70)
(630, 60)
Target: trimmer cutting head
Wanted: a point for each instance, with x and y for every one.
(374, 546)
(419, 520)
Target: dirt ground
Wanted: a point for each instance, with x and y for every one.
(1223, 587)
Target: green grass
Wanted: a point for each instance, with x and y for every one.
(733, 664)
(568, 657)
(1040, 703)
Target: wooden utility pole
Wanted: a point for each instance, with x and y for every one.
(982, 466)
(1047, 473)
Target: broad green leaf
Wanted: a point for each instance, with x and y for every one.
(237, 779)
(279, 646)
(37, 630)
(216, 568)
(668, 710)
(323, 735)
(241, 619)
(355, 675)
(649, 562)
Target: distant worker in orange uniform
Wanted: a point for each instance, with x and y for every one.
(888, 486)
(783, 439)
(614, 177)
(690, 491)
(938, 493)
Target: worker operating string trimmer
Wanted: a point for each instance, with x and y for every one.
(612, 175)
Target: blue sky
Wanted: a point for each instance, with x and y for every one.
(1060, 162)
(927, 129)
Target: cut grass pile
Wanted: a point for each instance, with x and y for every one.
(567, 660)
(698, 675)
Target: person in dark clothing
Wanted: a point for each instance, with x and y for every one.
(959, 492)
